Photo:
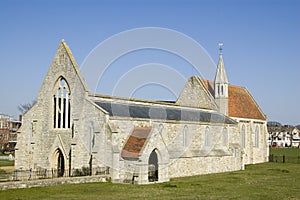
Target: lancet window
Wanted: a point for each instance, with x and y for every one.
(62, 108)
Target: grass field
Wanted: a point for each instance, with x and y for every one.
(6, 168)
(7, 163)
(292, 155)
(285, 151)
(262, 181)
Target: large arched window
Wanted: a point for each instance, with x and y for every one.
(243, 136)
(62, 108)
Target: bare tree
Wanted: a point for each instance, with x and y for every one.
(23, 108)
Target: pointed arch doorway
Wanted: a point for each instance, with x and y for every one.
(153, 167)
(60, 163)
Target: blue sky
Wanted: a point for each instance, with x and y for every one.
(261, 44)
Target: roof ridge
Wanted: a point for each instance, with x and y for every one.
(129, 99)
(134, 100)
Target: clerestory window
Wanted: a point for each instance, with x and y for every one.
(62, 108)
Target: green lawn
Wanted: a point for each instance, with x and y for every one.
(4, 172)
(7, 163)
(262, 181)
(292, 155)
(285, 151)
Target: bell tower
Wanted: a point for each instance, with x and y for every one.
(221, 85)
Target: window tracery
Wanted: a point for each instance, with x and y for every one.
(62, 108)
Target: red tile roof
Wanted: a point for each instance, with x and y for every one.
(135, 142)
(240, 102)
(210, 86)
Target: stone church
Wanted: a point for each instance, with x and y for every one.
(212, 127)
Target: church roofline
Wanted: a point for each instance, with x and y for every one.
(250, 97)
(230, 87)
(130, 99)
(168, 113)
(265, 116)
(78, 72)
(99, 97)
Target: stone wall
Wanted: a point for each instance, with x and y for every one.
(194, 94)
(186, 147)
(254, 153)
(204, 165)
(39, 140)
(51, 182)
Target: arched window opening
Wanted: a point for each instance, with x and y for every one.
(153, 167)
(221, 89)
(243, 136)
(185, 136)
(225, 137)
(62, 108)
(207, 137)
(92, 137)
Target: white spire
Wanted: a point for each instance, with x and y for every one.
(221, 76)
(221, 85)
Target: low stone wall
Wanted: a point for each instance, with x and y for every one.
(52, 182)
(203, 165)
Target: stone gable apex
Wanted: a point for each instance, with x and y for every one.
(195, 94)
(63, 65)
(63, 45)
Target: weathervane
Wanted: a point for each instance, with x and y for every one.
(220, 47)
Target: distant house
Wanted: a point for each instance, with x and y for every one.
(296, 138)
(283, 136)
(8, 132)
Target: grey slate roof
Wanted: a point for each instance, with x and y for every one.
(164, 113)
